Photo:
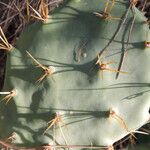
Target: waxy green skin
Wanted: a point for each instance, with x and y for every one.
(70, 42)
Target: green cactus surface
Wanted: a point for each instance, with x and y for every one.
(92, 83)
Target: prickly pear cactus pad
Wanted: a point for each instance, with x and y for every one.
(80, 79)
